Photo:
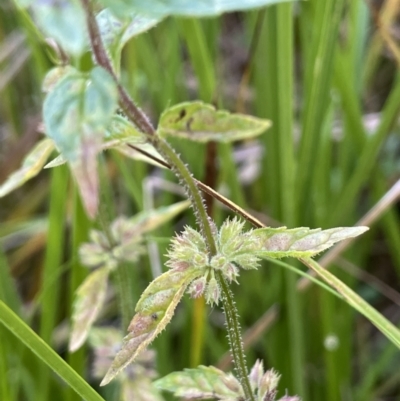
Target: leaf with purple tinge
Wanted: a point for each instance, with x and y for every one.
(31, 166)
(154, 311)
(76, 115)
(89, 299)
(300, 242)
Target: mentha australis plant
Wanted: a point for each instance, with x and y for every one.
(86, 112)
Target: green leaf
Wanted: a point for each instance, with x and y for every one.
(154, 310)
(116, 32)
(118, 133)
(121, 130)
(200, 122)
(64, 21)
(196, 8)
(55, 75)
(76, 114)
(89, 299)
(202, 383)
(300, 242)
(32, 164)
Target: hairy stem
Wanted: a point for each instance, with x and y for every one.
(190, 184)
(235, 336)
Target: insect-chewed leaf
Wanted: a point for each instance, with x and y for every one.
(153, 312)
(89, 300)
(32, 164)
(196, 8)
(76, 114)
(300, 242)
(64, 21)
(201, 383)
(201, 122)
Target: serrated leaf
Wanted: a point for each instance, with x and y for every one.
(64, 21)
(300, 242)
(76, 114)
(202, 383)
(89, 299)
(116, 32)
(31, 166)
(154, 310)
(201, 122)
(196, 8)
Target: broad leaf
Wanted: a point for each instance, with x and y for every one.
(116, 32)
(55, 75)
(187, 8)
(201, 122)
(64, 21)
(89, 299)
(76, 114)
(202, 383)
(31, 166)
(154, 310)
(118, 133)
(300, 242)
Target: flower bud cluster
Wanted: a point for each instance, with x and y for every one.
(264, 384)
(126, 245)
(234, 249)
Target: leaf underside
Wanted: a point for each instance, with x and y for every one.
(90, 297)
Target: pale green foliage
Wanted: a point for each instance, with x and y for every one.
(201, 122)
(196, 8)
(76, 114)
(116, 32)
(127, 237)
(300, 242)
(209, 382)
(117, 134)
(32, 164)
(135, 381)
(154, 310)
(89, 299)
(55, 75)
(64, 22)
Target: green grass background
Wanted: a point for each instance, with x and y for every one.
(325, 73)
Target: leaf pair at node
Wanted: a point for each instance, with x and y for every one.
(191, 266)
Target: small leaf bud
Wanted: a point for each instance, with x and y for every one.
(196, 289)
(213, 292)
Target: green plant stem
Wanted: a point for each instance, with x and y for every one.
(27, 336)
(235, 336)
(189, 183)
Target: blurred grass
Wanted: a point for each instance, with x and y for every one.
(314, 69)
